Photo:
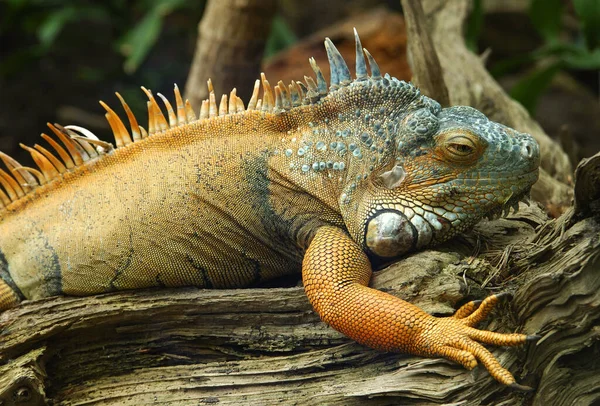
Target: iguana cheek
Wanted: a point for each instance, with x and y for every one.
(390, 233)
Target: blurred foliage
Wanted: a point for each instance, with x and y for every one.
(280, 37)
(474, 25)
(135, 26)
(560, 50)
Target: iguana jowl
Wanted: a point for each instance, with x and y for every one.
(306, 178)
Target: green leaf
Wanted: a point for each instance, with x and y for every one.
(588, 60)
(138, 41)
(588, 12)
(546, 18)
(474, 25)
(136, 44)
(281, 37)
(529, 89)
(54, 23)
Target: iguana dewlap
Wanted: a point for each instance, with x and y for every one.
(305, 178)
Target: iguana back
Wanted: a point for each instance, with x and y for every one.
(192, 205)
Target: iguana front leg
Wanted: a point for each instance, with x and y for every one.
(336, 272)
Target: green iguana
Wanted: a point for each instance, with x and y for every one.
(305, 178)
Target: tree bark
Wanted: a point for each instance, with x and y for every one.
(231, 40)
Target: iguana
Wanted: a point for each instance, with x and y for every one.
(306, 178)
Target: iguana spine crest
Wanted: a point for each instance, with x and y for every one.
(80, 146)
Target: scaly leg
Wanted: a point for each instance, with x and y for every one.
(336, 273)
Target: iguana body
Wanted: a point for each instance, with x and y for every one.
(305, 179)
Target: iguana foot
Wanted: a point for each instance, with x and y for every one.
(455, 338)
(477, 310)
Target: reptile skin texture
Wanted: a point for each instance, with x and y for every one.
(312, 177)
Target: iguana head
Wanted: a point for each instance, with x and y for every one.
(451, 167)
(417, 174)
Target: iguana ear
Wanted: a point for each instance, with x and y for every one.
(393, 178)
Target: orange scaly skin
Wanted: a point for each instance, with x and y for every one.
(305, 178)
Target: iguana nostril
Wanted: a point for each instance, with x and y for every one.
(529, 149)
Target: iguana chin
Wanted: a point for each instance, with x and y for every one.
(305, 178)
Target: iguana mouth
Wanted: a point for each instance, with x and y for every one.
(512, 203)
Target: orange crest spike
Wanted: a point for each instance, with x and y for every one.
(118, 128)
(55, 161)
(170, 111)
(133, 124)
(70, 145)
(181, 113)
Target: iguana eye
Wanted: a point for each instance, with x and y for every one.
(461, 148)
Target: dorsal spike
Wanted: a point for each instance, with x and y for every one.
(11, 186)
(294, 94)
(133, 124)
(361, 64)
(285, 96)
(160, 122)
(302, 90)
(82, 152)
(204, 110)
(37, 178)
(26, 180)
(213, 110)
(118, 128)
(151, 119)
(57, 163)
(321, 83)
(254, 98)
(223, 105)
(209, 84)
(170, 111)
(77, 132)
(69, 144)
(89, 149)
(64, 155)
(339, 68)
(143, 132)
(189, 112)
(312, 86)
(259, 105)
(90, 137)
(375, 72)
(4, 199)
(48, 170)
(239, 105)
(278, 97)
(232, 97)
(312, 94)
(267, 94)
(103, 145)
(181, 113)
